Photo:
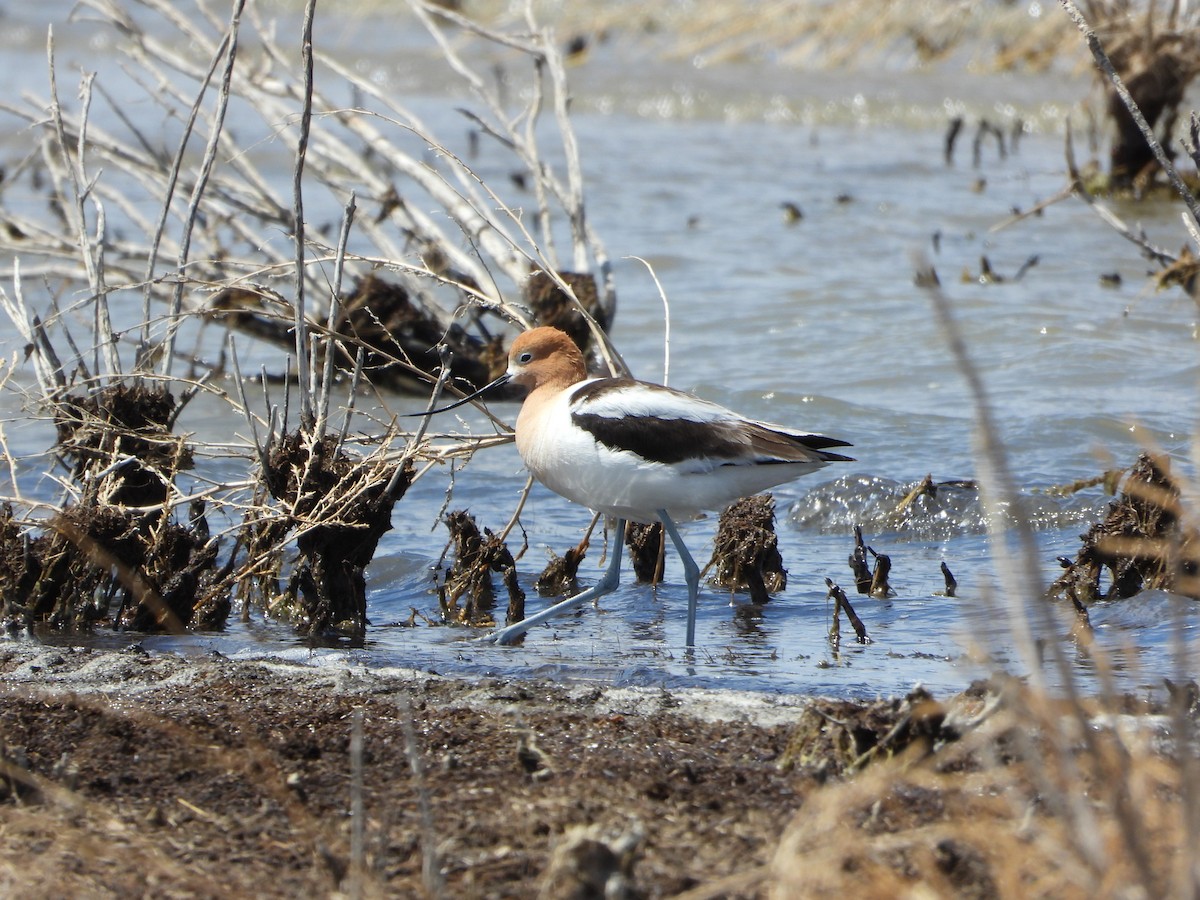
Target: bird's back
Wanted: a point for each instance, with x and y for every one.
(629, 448)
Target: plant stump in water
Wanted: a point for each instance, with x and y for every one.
(1157, 61)
(746, 550)
(118, 442)
(116, 555)
(400, 336)
(476, 557)
(381, 317)
(340, 506)
(552, 305)
(646, 551)
(560, 577)
(1141, 543)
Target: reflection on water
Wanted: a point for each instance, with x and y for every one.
(815, 324)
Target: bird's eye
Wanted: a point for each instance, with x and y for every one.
(525, 357)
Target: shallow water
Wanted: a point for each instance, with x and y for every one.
(816, 324)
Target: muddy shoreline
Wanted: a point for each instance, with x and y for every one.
(209, 777)
(131, 773)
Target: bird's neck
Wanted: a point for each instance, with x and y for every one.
(537, 404)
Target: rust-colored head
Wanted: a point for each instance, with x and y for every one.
(545, 357)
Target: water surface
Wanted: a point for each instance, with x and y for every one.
(815, 324)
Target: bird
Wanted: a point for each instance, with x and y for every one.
(639, 452)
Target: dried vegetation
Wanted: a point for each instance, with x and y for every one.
(152, 531)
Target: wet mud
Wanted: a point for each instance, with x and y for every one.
(138, 773)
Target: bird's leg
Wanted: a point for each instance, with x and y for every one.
(606, 585)
(691, 574)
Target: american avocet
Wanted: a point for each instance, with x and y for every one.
(640, 452)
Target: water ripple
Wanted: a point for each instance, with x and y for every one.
(938, 512)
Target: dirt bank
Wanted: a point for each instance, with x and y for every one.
(136, 774)
(158, 775)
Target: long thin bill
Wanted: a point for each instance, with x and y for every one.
(457, 403)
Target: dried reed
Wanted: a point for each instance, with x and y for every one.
(333, 495)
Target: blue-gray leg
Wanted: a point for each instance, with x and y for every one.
(606, 585)
(691, 574)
